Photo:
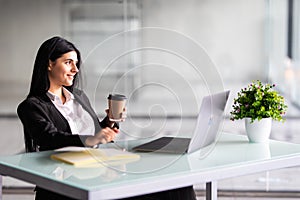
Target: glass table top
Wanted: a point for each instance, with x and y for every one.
(230, 151)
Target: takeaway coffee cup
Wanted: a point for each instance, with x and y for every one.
(116, 105)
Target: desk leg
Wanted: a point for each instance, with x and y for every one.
(0, 187)
(211, 190)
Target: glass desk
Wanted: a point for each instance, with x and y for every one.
(231, 156)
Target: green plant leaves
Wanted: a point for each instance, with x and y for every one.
(258, 101)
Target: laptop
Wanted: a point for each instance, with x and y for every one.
(205, 133)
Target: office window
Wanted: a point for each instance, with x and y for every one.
(296, 52)
(276, 40)
(284, 46)
(296, 31)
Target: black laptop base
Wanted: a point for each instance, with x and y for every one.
(165, 145)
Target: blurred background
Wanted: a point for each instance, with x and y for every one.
(165, 55)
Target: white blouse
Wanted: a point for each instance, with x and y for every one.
(80, 121)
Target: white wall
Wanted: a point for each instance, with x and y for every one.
(231, 31)
(24, 26)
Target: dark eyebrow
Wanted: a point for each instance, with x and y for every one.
(70, 59)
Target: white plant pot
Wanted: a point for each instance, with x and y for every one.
(258, 131)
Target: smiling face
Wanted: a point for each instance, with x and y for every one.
(61, 72)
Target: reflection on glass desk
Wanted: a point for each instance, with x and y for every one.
(231, 156)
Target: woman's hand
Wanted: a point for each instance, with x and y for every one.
(104, 136)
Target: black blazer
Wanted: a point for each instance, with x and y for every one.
(45, 128)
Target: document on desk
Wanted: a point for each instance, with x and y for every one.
(86, 156)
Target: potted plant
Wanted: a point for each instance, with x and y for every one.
(258, 103)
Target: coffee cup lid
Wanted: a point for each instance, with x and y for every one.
(117, 97)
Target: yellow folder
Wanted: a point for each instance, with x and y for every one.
(89, 156)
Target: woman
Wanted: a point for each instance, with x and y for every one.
(56, 114)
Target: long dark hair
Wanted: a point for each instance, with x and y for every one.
(51, 49)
